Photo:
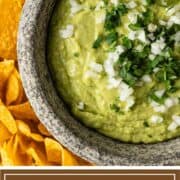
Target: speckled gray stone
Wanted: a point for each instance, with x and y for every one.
(84, 142)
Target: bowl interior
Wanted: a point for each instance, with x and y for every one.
(39, 88)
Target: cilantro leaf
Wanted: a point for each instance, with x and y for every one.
(127, 42)
(98, 41)
(111, 37)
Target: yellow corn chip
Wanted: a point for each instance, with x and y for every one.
(10, 153)
(6, 119)
(23, 112)
(53, 150)
(37, 153)
(23, 142)
(26, 130)
(23, 128)
(43, 130)
(4, 133)
(37, 137)
(10, 11)
(6, 68)
(20, 157)
(22, 97)
(6, 157)
(68, 159)
(12, 89)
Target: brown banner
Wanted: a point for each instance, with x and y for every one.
(90, 174)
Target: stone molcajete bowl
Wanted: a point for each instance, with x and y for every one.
(81, 140)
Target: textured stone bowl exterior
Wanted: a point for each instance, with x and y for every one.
(38, 85)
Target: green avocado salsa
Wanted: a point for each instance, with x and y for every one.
(116, 64)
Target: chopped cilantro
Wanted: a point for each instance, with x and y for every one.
(160, 32)
(113, 17)
(148, 17)
(133, 63)
(111, 37)
(146, 124)
(158, 59)
(134, 27)
(143, 21)
(76, 54)
(139, 24)
(98, 42)
(116, 108)
(150, 2)
(112, 20)
(172, 89)
(125, 73)
(127, 42)
(145, 53)
(106, 2)
(159, 100)
(122, 9)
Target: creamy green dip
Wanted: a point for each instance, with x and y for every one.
(116, 65)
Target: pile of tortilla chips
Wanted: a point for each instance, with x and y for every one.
(23, 139)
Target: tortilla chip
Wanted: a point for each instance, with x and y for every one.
(43, 130)
(68, 159)
(23, 111)
(23, 128)
(10, 11)
(37, 153)
(12, 89)
(25, 145)
(4, 133)
(53, 151)
(10, 153)
(20, 157)
(23, 142)
(13, 152)
(6, 68)
(7, 119)
(26, 130)
(37, 137)
(6, 157)
(22, 96)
